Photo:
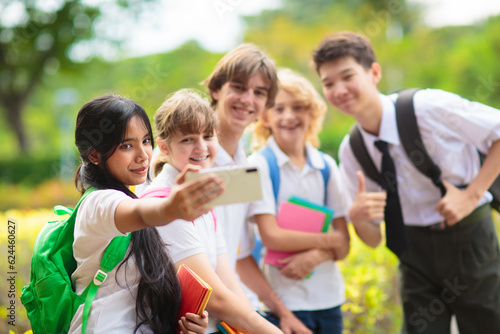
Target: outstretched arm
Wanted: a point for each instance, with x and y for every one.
(187, 201)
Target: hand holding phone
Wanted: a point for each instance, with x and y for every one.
(241, 183)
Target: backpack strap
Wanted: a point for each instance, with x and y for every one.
(325, 173)
(114, 254)
(411, 139)
(361, 154)
(274, 171)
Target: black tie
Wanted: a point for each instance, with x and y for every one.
(396, 239)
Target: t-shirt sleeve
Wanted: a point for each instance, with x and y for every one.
(96, 215)
(267, 205)
(182, 239)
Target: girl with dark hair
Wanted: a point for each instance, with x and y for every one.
(114, 138)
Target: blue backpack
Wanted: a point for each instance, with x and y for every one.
(274, 174)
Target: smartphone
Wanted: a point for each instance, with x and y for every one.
(241, 183)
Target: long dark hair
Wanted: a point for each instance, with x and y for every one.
(100, 127)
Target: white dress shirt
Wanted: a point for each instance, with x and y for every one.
(452, 129)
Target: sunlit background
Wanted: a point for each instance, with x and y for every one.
(55, 55)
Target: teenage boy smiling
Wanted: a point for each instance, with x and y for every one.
(451, 239)
(242, 84)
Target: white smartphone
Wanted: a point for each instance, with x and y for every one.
(241, 183)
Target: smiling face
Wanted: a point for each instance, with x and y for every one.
(130, 161)
(350, 87)
(198, 149)
(289, 119)
(240, 103)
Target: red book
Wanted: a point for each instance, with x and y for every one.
(194, 291)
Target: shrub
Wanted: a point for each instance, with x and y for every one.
(44, 195)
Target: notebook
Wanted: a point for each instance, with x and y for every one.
(328, 211)
(194, 291)
(298, 217)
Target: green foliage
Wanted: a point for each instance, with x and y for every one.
(372, 297)
(43, 195)
(28, 170)
(27, 225)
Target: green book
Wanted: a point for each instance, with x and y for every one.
(328, 211)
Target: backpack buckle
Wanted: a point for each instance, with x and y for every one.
(100, 277)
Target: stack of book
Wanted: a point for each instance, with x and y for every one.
(299, 215)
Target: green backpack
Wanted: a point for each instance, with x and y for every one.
(49, 298)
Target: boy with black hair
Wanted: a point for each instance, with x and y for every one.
(445, 240)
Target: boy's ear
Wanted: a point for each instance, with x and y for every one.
(162, 145)
(376, 71)
(215, 94)
(95, 157)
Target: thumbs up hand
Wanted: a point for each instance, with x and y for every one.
(367, 206)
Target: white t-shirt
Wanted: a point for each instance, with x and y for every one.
(239, 239)
(184, 238)
(325, 287)
(113, 309)
(233, 216)
(452, 129)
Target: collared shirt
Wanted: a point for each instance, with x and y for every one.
(306, 183)
(325, 288)
(232, 216)
(452, 129)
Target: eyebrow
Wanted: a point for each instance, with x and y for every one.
(134, 139)
(341, 72)
(246, 84)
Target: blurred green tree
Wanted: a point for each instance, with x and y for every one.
(36, 37)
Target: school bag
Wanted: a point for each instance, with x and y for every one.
(274, 175)
(274, 171)
(49, 298)
(413, 146)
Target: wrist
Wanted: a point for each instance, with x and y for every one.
(329, 241)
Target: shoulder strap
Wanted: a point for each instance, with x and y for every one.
(61, 210)
(274, 171)
(411, 139)
(113, 255)
(361, 154)
(325, 172)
